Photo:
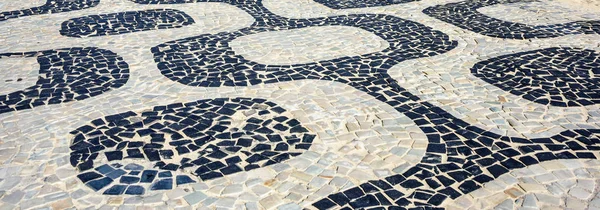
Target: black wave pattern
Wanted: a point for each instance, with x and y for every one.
(348, 4)
(206, 138)
(208, 60)
(51, 6)
(459, 158)
(564, 77)
(70, 74)
(465, 15)
(125, 22)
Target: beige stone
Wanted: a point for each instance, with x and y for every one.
(62, 204)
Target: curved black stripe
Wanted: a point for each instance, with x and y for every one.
(552, 76)
(465, 15)
(347, 4)
(125, 22)
(210, 62)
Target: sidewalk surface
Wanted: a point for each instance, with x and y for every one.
(299, 104)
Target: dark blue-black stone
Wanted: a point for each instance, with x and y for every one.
(148, 176)
(115, 190)
(135, 190)
(183, 179)
(105, 169)
(163, 184)
(129, 179)
(99, 183)
(85, 177)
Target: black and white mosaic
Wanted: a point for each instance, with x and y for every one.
(465, 15)
(552, 76)
(366, 141)
(125, 22)
(207, 138)
(460, 157)
(66, 75)
(347, 4)
(209, 61)
(51, 6)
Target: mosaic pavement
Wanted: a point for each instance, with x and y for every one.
(299, 104)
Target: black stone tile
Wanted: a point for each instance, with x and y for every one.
(163, 184)
(148, 176)
(85, 177)
(115, 190)
(129, 179)
(135, 190)
(182, 179)
(99, 183)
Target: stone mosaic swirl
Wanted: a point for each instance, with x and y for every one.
(465, 15)
(51, 6)
(211, 62)
(347, 4)
(554, 76)
(558, 184)
(460, 157)
(206, 138)
(66, 75)
(163, 147)
(125, 22)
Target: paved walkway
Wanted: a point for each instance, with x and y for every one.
(294, 104)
